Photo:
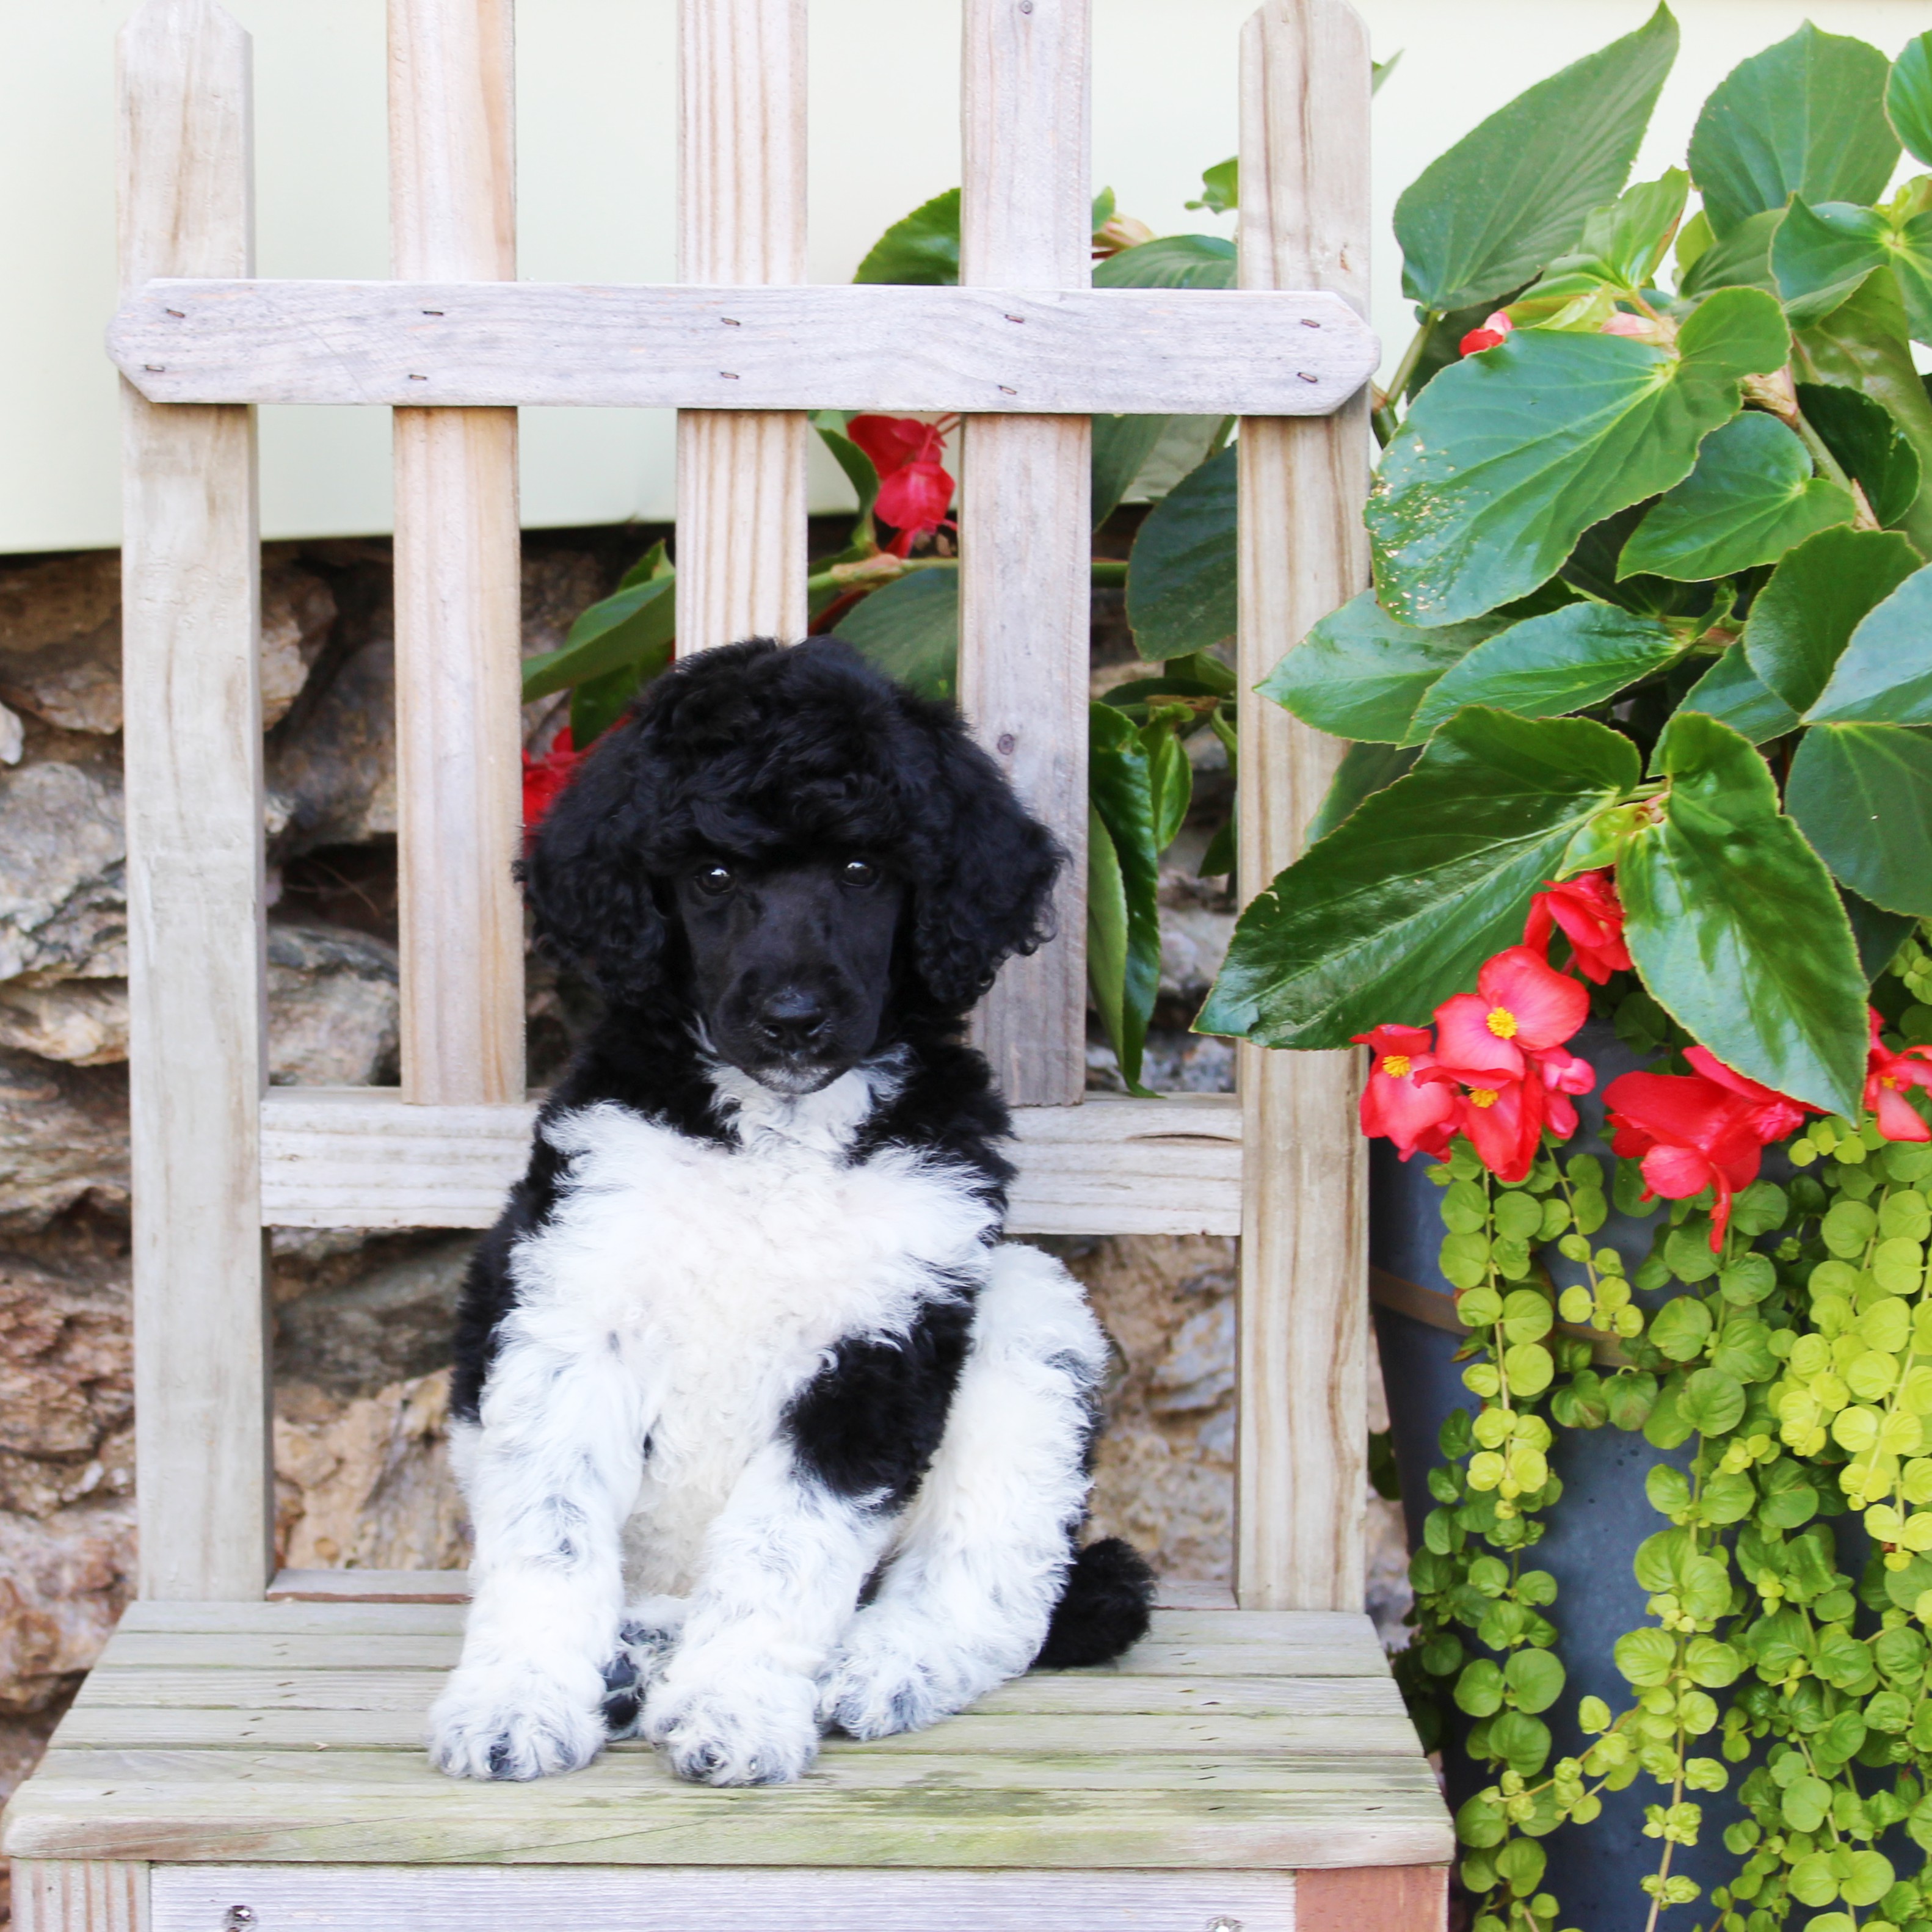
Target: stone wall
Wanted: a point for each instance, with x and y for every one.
(361, 1320)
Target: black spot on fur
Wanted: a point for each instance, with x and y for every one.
(1103, 1610)
(870, 1419)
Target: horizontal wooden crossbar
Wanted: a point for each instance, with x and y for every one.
(1075, 351)
(361, 1157)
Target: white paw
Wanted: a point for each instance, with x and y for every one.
(495, 1722)
(872, 1688)
(733, 1724)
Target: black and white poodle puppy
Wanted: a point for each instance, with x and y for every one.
(762, 1428)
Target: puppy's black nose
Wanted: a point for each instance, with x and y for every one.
(793, 1020)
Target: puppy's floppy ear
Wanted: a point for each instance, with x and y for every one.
(987, 897)
(587, 886)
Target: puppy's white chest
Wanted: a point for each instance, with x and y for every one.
(726, 1276)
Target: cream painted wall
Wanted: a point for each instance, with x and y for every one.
(595, 100)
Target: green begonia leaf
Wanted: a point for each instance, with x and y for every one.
(1360, 673)
(909, 629)
(1394, 910)
(1171, 262)
(1804, 117)
(1751, 497)
(1862, 795)
(860, 469)
(1870, 447)
(1731, 692)
(1822, 254)
(1107, 935)
(628, 629)
(1121, 445)
(1505, 459)
(1884, 674)
(923, 248)
(1624, 243)
(1221, 184)
(1180, 577)
(1816, 597)
(1486, 216)
(1741, 259)
(1862, 345)
(1734, 926)
(1364, 769)
(1876, 933)
(1908, 97)
(1121, 789)
(1546, 666)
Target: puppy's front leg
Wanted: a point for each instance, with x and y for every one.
(783, 1564)
(551, 1474)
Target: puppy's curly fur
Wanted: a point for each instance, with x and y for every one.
(762, 1427)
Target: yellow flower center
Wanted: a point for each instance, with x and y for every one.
(1501, 1022)
(1482, 1096)
(1891, 1081)
(1395, 1065)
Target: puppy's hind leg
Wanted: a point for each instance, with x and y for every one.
(984, 1549)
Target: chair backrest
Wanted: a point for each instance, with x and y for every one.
(1022, 348)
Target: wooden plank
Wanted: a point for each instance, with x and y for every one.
(1025, 222)
(359, 1157)
(190, 623)
(384, 1807)
(1300, 1490)
(370, 1586)
(402, 1898)
(79, 1895)
(458, 785)
(1343, 1735)
(1021, 350)
(741, 536)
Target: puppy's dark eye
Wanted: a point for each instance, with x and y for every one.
(860, 872)
(715, 881)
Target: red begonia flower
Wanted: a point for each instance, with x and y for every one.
(544, 778)
(1690, 1133)
(1504, 1125)
(1521, 1006)
(1489, 336)
(1588, 909)
(1564, 1073)
(1770, 1115)
(1889, 1076)
(1413, 1113)
(915, 491)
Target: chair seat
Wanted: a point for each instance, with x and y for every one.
(265, 1732)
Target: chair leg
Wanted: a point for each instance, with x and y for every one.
(1372, 1898)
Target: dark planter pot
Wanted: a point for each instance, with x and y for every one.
(1590, 1539)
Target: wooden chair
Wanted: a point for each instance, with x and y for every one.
(248, 1754)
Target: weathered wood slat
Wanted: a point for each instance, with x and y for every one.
(190, 623)
(356, 1898)
(358, 1157)
(458, 618)
(79, 1895)
(1024, 598)
(390, 1806)
(741, 532)
(1025, 350)
(1304, 220)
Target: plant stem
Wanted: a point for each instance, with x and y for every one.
(1383, 418)
(1831, 466)
(1106, 570)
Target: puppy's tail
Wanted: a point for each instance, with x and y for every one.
(1103, 1609)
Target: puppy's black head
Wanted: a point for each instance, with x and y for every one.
(793, 847)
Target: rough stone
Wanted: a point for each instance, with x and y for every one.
(332, 1007)
(44, 604)
(64, 1579)
(353, 1316)
(12, 737)
(82, 1021)
(63, 1139)
(1165, 1475)
(366, 1485)
(334, 768)
(298, 614)
(63, 872)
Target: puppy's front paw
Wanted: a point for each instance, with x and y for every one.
(873, 1687)
(491, 1722)
(735, 1726)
